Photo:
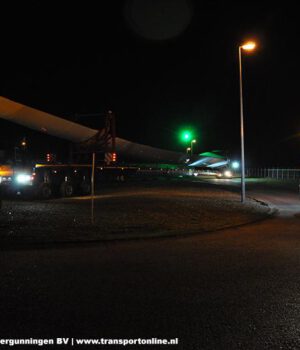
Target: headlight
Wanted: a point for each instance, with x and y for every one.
(227, 173)
(23, 178)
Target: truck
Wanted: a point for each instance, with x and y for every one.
(46, 180)
(65, 180)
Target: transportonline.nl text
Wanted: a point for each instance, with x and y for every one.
(78, 342)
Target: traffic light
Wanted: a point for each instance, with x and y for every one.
(50, 157)
(186, 136)
(114, 157)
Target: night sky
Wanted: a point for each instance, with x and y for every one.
(160, 65)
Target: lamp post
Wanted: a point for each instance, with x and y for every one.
(249, 46)
(188, 150)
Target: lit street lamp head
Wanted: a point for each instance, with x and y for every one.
(249, 46)
(23, 142)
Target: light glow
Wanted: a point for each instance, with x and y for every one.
(249, 46)
(23, 178)
(235, 165)
(186, 135)
(227, 173)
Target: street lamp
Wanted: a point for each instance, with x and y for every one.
(249, 46)
(193, 141)
(24, 143)
(235, 165)
(188, 150)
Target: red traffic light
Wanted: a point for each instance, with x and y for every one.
(50, 157)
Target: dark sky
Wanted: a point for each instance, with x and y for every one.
(160, 65)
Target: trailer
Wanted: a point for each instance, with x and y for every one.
(64, 180)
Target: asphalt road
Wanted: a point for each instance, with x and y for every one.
(233, 289)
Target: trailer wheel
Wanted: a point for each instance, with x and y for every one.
(120, 178)
(66, 189)
(85, 188)
(45, 191)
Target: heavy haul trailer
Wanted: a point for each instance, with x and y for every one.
(65, 180)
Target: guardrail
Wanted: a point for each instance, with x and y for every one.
(274, 173)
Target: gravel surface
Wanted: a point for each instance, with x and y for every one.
(127, 211)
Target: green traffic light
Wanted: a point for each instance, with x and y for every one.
(186, 136)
